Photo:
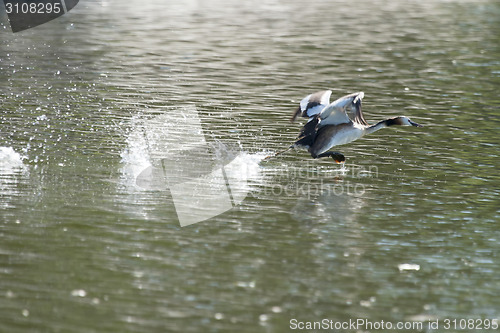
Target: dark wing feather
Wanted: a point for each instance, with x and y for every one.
(350, 105)
(356, 110)
(308, 132)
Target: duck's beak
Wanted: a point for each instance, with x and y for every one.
(415, 124)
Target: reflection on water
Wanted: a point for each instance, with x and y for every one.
(86, 249)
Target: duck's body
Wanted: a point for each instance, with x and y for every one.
(335, 135)
(329, 125)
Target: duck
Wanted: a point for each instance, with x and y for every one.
(336, 123)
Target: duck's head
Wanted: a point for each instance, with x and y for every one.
(403, 121)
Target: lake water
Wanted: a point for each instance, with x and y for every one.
(405, 232)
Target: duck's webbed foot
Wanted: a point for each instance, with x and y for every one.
(337, 157)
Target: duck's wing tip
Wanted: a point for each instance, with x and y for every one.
(359, 95)
(312, 104)
(296, 114)
(352, 102)
(356, 109)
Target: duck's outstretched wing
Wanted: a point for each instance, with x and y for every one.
(351, 102)
(312, 104)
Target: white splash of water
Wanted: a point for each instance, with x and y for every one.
(10, 161)
(12, 170)
(135, 157)
(343, 169)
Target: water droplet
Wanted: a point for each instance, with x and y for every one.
(408, 267)
(276, 309)
(79, 293)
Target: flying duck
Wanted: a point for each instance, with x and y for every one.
(336, 123)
